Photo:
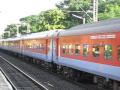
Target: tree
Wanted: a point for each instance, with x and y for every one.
(11, 30)
(109, 9)
(78, 7)
(61, 17)
(52, 19)
(23, 29)
(32, 21)
(48, 20)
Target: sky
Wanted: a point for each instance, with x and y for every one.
(12, 10)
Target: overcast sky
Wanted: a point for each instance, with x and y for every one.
(12, 10)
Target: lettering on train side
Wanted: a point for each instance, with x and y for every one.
(111, 36)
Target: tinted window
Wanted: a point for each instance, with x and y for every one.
(64, 49)
(77, 49)
(95, 51)
(85, 49)
(70, 49)
(108, 52)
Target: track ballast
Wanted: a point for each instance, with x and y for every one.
(18, 79)
(50, 81)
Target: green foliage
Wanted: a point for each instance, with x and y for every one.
(32, 21)
(49, 20)
(109, 9)
(5, 35)
(72, 6)
(10, 31)
(23, 29)
(61, 17)
(78, 4)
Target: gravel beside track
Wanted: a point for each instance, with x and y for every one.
(18, 80)
(51, 82)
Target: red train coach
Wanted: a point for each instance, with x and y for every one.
(84, 51)
(93, 48)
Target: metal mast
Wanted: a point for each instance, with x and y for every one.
(95, 10)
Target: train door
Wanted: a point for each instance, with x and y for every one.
(55, 47)
(49, 47)
(51, 56)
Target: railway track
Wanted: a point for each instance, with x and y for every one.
(18, 79)
(50, 81)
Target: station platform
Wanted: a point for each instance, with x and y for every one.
(4, 84)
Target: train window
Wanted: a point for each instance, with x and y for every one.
(96, 51)
(42, 47)
(70, 49)
(77, 49)
(85, 49)
(118, 52)
(108, 52)
(64, 49)
(28, 46)
(39, 46)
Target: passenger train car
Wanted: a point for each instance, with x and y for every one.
(91, 48)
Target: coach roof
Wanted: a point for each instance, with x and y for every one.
(99, 27)
(43, 34)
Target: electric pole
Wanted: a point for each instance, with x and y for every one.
(18, 32)
(95, 10)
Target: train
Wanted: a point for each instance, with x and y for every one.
(83, 51)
